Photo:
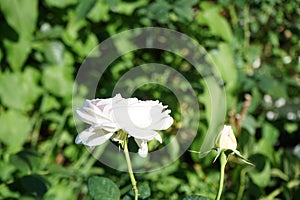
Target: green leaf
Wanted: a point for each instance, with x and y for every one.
(100, 12)
(272, 86)
(17, 52)
(127, 197)
(6, 171)
(112, 3)
(213, 95)
(275, 172)
(270, 133)
(168, 184)
(32, 185)
(291, 127)
(127, 7)
(263, 146)
(195, 197)
(83, 8)
(21, 15)
(159, 11)
(250, 124)
(184, 9)
(49, 103)
(61, 3)
(18, 90)
(253, 53)
(49, 32)
(7, 193)
(223, 59)
(266, 144)
(58, 80)
(144, 191)
(101, 188)
(14, 128)
(81, 47)
(72, 152)
(26, 161)
(261, 173)
(86, 48)
(54, 52)
(61, 190)
(256, 99)
(216, 23)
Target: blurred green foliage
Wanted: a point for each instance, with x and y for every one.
(255, 46)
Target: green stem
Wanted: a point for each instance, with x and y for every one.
(130, 171)
(36, 130)
(242, 184)
(247, 32)
(290, 185)
(55, 138)
(234, 18)
(223, 161)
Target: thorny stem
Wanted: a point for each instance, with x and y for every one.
(130, 171)
(243, 112)
(223, 161)
(236, 119)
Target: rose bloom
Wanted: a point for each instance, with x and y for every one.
(139, 119)
(226, 139)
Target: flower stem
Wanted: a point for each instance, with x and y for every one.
(223, 161)
(242, 184)
(130, 171)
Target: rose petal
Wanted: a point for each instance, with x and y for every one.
(227, 139)
(92, 138)
(143, 150)
(109, 127)
(158, 138)
(97, 113)
(163, 124)
(140, 116)
(84, 135)
(144, 134)
(90, 116)
(84, 116)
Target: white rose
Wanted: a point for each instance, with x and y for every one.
(98, 113)
(226, 139)
(139, 119)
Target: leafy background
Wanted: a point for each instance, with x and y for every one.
(255, 46)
